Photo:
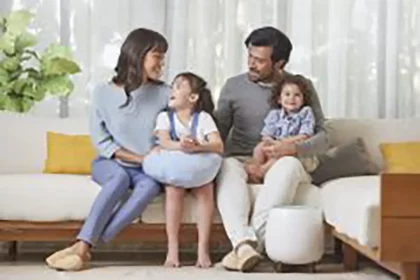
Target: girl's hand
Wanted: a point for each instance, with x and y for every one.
(155, 150)
(188, 144)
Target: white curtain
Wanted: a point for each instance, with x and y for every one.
(363, 55)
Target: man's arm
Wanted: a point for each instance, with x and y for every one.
(224, 113)
(318, 143)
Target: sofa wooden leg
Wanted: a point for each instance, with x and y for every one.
(410, 271)
(349, 257)
(338, 248)
(12, 250)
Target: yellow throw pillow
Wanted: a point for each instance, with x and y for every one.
(401, 157)
(69, 154)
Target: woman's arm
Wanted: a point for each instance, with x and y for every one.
(99, 134)
(128, 156)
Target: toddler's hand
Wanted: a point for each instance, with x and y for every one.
(267, 142)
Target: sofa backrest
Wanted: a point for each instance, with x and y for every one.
(23, 137)
(23, 140)
(374, 132)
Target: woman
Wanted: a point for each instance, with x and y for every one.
(124, 111)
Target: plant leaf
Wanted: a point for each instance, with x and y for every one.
(26, 104)
(59, 66)
(56, 50)
(33, 53)
(11, 63)
(12, 104)
(4, 76)
(25, 40)
(39, 94)
(2, 101)
(59, 85)
(18, 21)
(18, 104)
(30, 89)
(7, 43)
(2, 24)
(19, 85)
(33, 73)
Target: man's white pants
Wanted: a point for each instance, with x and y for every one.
(234, 200)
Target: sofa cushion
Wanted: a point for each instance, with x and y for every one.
(346, 160)
(351, 206)
(69, 154)
(401, 157)
(373, 132)
(46, 197)
(59, 197)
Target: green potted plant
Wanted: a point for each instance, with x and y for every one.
(26, 76)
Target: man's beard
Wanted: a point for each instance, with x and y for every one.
(255, 76)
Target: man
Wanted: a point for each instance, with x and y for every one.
(243, 105)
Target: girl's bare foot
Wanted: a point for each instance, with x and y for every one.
(172, 260)
(203, 261)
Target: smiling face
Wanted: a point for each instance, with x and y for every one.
(291, 98)
(153, 64)
(181, 95)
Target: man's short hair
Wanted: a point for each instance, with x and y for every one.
(271, 37)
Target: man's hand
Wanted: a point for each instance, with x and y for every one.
(278, 149)
(268, 141)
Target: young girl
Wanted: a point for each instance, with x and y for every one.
(291, 120)
(188, 126)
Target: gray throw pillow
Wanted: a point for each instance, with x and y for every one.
(345, 160)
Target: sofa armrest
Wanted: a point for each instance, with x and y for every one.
(400, 195)
(400, 217)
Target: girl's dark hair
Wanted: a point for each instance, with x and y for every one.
(297, 80)
(199, 86)
(129, 69)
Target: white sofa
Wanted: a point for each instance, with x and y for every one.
(351, 205)
(27, 194)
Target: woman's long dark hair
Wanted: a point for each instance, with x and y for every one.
(129, 69)
(199, 86)
(297, 80)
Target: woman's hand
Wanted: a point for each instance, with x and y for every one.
(278, 149)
